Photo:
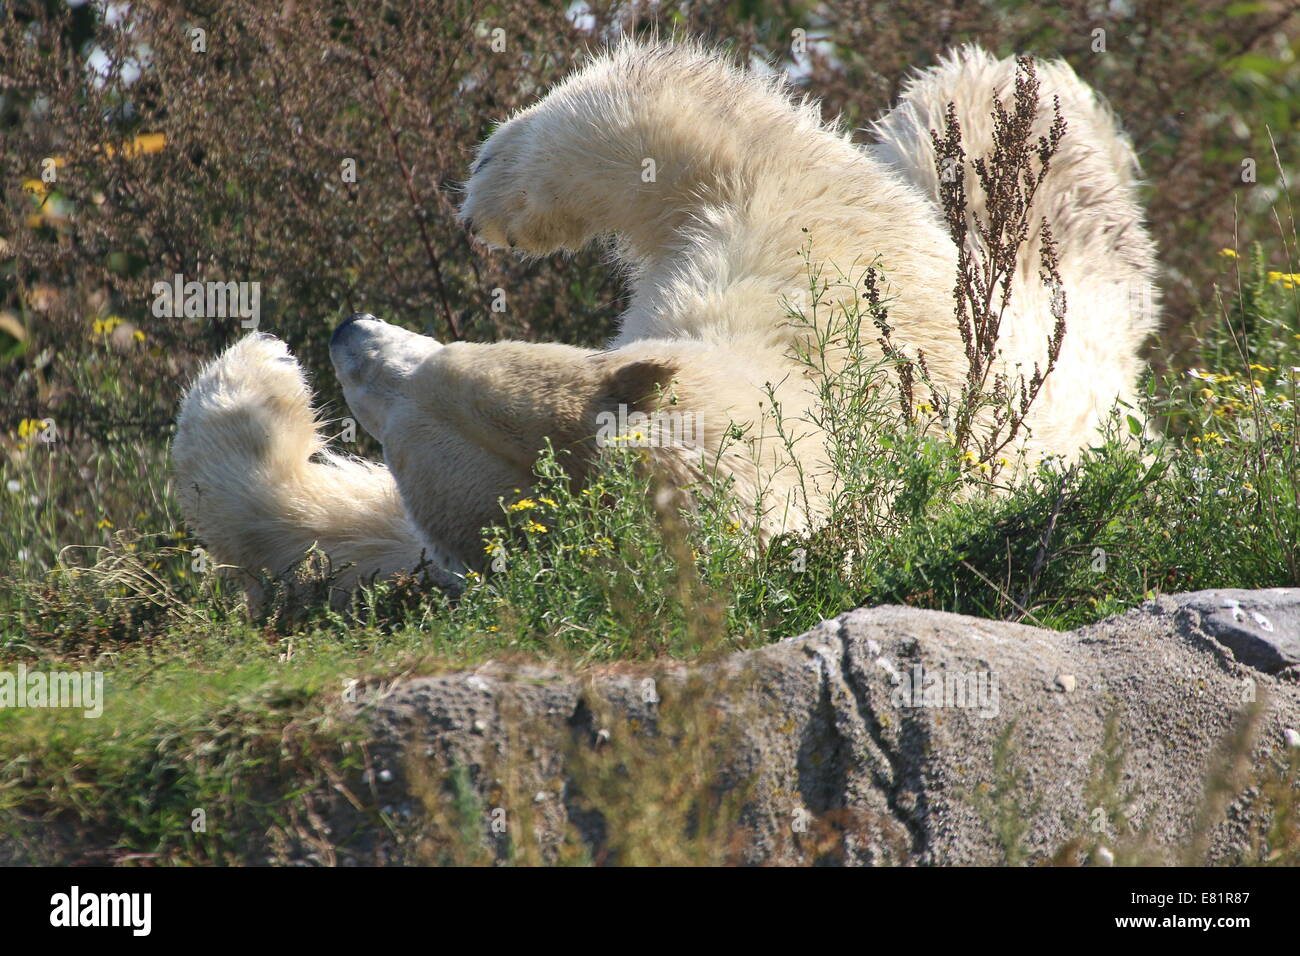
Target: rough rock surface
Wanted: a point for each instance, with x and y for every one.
(889, 735)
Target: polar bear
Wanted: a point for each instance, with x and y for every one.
(748, 188)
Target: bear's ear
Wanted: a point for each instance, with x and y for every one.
(638, 385)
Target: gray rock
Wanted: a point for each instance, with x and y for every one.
(886, 736)
(1262, 628)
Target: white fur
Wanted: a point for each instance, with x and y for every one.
(744, 177)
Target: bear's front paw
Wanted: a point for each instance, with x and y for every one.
(522, 195)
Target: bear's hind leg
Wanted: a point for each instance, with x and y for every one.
(259, 488)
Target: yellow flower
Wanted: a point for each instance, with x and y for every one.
(28, 427)
(534, 528)
(523, 504)
(138, 335)
(550, 503)
(1228, 253)
(104, 523)
(106, 326)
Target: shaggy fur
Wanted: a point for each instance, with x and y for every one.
(744, 178)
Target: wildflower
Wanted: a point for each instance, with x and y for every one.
(523, 504)
(28, 427)
(1228, 253)
(106, 326)
(104, 524)
(534, 528)
(549, 502)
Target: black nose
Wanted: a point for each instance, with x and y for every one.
(347, 323)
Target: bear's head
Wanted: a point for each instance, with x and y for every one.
(462, 425)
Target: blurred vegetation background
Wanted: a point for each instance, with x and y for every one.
(212, 139)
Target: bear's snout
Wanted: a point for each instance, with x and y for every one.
(372, 360)
(362, 347)
(349, 324)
